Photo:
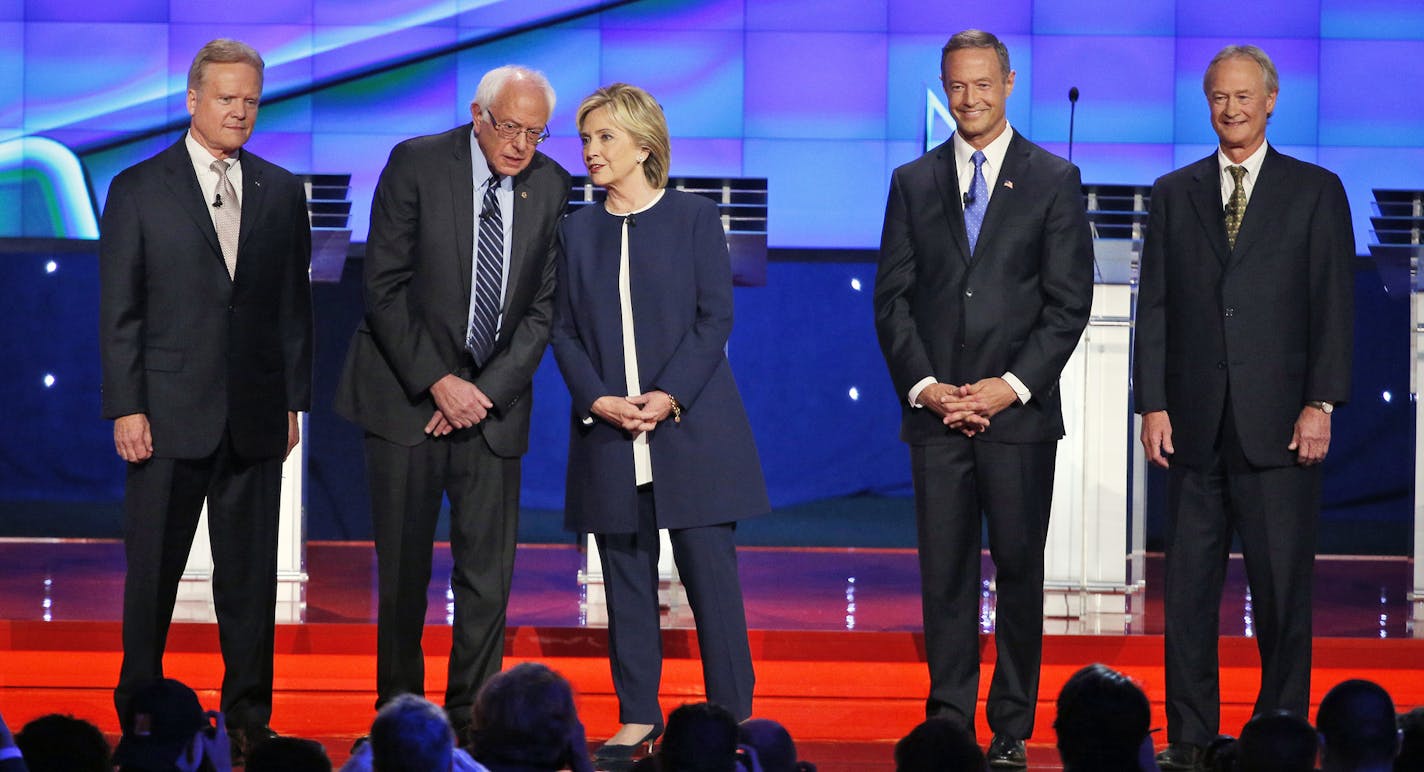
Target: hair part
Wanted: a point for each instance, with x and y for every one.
(635, 111)
(976, 38)
(495, 81)
(223, 51)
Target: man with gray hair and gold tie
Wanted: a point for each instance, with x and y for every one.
(1242, 354)
(205, 337)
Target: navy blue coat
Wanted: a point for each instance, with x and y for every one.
(705, 468)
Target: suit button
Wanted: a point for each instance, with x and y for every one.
(969, 293)
(1230, 311)
(1221, 365)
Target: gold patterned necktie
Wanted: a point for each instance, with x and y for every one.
(227, 216)
(1236, 207)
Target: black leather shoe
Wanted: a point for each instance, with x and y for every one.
(621, 756)
(1007, 753)
(1180, 756)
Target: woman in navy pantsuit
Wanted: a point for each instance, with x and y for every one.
(659, 437)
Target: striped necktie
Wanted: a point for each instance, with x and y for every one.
(489, 278)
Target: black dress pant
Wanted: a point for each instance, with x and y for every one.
(1011, 487)
(706, 560)
(163, 499)
(1274, 510)
(407, 485)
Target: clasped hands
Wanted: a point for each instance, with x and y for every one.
(968, 408)
(636, 414)
(459, 404)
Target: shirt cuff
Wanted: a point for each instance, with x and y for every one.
(919, 387)
(1019, 388)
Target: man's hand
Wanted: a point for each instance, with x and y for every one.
(461, 402)
(1157, 437)
(1311, 438)
(623, 413)
(294, 432)
(437, 426)
(132, 439)
(990, 396)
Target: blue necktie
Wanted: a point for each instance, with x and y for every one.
(489, 278)
(978, 201)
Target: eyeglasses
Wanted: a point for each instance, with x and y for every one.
(510, 130)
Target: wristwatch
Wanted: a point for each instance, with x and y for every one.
(1325, 407)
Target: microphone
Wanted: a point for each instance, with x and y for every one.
(631, 220)
(485, 213)
(217, 200)
(969, 199)
(1072, 109)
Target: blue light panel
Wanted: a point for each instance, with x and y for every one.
(832, 88)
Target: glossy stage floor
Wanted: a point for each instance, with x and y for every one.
(835, 636)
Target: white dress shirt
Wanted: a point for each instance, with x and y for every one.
(504, 196)
(1253, 172)
(208, 179)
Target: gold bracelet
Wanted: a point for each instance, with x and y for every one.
(676, 409)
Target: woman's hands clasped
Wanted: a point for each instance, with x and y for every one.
(636, 414)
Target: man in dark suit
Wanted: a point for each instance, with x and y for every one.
(1243, 340)
(459, 280)
(206, 340)
(983, 289)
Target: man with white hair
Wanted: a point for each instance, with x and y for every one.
(459, 288)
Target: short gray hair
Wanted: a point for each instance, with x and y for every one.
(223, 51)
(495, 80)
(1255, 54)
(976, 38)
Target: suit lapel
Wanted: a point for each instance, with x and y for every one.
(254, 194)
(1002, 197)
(183, 183)
(525, 229)
(1206, 199)
(947, 179)
(1267, 202)
(462, 190)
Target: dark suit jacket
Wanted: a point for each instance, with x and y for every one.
(705, 468)
(180, 341)
(1018, 304)
(417, 278)
(1271, 319)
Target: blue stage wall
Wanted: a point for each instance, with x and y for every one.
(822, 98)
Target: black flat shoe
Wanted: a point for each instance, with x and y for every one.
(1007, 753)
(1180, 756)
(615, 754)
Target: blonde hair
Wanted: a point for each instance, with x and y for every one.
(636, 112)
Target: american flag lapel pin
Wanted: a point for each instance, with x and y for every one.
(1009, 184)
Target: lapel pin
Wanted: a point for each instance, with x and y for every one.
(524, 194)
(1009, 184)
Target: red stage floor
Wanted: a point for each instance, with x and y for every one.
(835, 636)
